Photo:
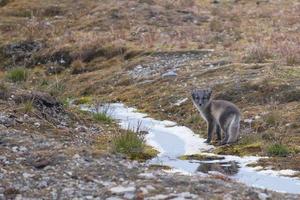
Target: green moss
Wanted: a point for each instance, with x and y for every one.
(83, 100)
(17, 74)
(240, 149)
(203, 157)
(278, 150)
(147, 153)
(156, 167)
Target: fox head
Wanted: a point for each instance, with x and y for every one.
(201, 97)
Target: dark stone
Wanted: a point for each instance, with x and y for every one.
(229, 168)
(7, 121)
(21, 51)
(62, 58)
(41, 163)
(3, 2)
(38, 99)
(55, 69)
(11, 193)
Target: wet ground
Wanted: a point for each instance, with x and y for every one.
(173, 141)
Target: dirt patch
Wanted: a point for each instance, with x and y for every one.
(293, 162)
(263, 92)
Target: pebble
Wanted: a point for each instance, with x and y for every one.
(37, 124)
(122, 189)
(169, 74)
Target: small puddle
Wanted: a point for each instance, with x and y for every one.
(173, 141)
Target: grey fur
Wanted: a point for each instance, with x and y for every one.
(219, 115)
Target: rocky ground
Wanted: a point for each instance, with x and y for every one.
(49, 159)
(148, 54)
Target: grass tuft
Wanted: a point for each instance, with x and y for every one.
(102, 117)
(257, 54)
(132, 144)
(17, 74)
(28, 106)
(129, 143)
(278, 150)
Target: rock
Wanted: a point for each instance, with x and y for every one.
(55, 69)
(63, 58)
(27, 175)
(22, 51)
(147, 175)
(3, 2)
(113, 198)
(129, 195)
(180, 102)
(169, 74)
(40, 99)
(41, 163)
(11, 193)
(37, 124)
(122, 189)
(229, 168)
(7, 121)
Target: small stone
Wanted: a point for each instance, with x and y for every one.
(263, 196)
(169, 74)
(81, 129)
(122, 189)
(27, 175)
(55, 69)
(113, 198)
(129, 195)
(15, 149)
(23, 149)
(257, 117)
(42, 184)
(76, 156)
(41, 163)
(37, 124)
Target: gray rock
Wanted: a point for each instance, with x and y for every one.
(55, 69)
(169, 74)
(7, 121)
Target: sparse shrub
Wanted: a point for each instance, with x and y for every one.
(130, 143)
(290, 51)
(78, 67)
(278, 149)
(17, 74)
(268, 136)
(257, 54)
(57, 88)
(102, 117)
(273, 119)
(28, 106)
